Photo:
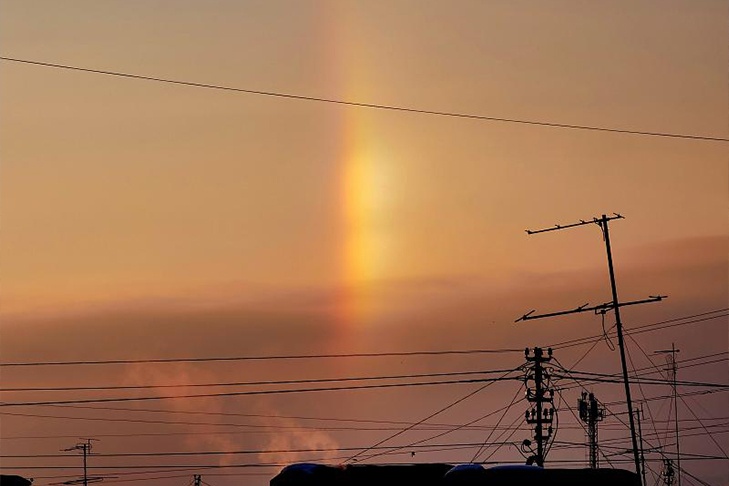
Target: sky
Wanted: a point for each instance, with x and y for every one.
(147, 220)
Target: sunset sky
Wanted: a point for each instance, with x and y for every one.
(146, 220)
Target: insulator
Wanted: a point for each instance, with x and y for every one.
(582, 405)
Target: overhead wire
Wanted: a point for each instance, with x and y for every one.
(608, 378)
(434, 414)
(255, 392)
(396, 354)
(498, 422)
(450, 428)
(258, 428)
(641, 372)
(663, 397)
(441, 434)
(269, 465)
(512, 429)
(101, 456)
(599, 450)
(248, 415)
(250, 383)
(358, 104)
(648, 407)
(606, 408)
(684, 402)
(655, 326)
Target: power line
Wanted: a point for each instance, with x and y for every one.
(349, 379)
(700, 432)
(664, 397)
(656, 432)
(449, 428)
(585, 429)
(434, 414)
(258, 428)
(257, 392)
(256, 465)
(251, 415)
(514, 429)
(488, 437)
(454, 428)
(684, 402)
(441, 434)
(641, 372)
(291, 96)
(606, 378)
(655, 326)
(262, 358)
(250, 383)
(244, 452)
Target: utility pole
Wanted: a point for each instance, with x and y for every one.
(671, 358)
(543, 399)
(85, 447)
(638, 413)
(668, 472)
(614, 305)
(591, 413)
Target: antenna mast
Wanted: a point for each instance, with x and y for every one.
(613, 305)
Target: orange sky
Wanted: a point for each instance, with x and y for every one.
(129, 206)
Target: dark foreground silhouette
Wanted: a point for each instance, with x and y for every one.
(448, 475)
(13, 480)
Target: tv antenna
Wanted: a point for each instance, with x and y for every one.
(614, 305)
